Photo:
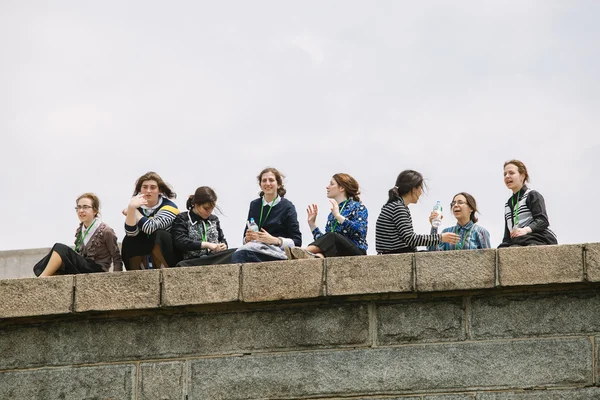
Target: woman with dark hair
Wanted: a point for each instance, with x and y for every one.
(148, 219)
(394, 230)
(197, 233)
(472, 236)
(347, 223)
(276, 220)
(95, 245)
(526, 220)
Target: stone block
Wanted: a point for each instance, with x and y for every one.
(550, 394)
(19, 263)
(369, 274)
(128, 290)
(494, 364)
(36, 296)
(458, 396)
(201, 285)
(164, 381)
(421, 321)
(456, 270)
(110, 382)
(592, 260)
(540, 265)
(88, 341)
(282, 280)
(526, 315)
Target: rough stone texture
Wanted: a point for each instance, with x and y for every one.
(553, 394)
(282, 280)
(162, 381)
(19, 263)
(201, 285)
(369, 274)
(36, 296)
(450, 397)
(86, 341)
(111, 382)
(525, 315)
(421, 321)
(497, 365)
(538, 265)
(592, 260)
(127, 290)
(456, 270)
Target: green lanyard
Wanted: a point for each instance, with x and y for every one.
(268, 212)
(462, 242)
(202, 233)
(335, 224)
(515, 209)
(82, 237)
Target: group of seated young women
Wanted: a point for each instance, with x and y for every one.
(159, 236)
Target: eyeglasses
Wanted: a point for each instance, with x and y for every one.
(458, 202)
(85, 208)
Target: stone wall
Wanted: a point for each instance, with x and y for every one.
(520, 324)
(19, 263)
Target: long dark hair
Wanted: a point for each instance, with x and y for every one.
(163, 188)
(278, 177)
(406, 181)
(203, 195)
(471, 203)
(349, 184)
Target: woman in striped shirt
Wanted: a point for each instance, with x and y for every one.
(149, 216)
(394, 230)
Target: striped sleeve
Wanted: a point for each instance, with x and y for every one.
(162, 220)
(394, 230)
(403, 223)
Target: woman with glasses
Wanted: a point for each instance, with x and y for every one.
(95, 245)
(471, 235)
(394, 230)
(148, 219)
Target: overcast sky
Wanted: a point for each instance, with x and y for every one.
(95, 93)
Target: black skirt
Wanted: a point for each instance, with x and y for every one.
(222, 257)
(337, 245)
(142, 245)
(72, 262)
(531, 239)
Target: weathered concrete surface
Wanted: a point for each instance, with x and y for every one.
(126, 290)
(282, 280)
(19, 263)
(104, 382)
(526, 315)
(592, 260)
(369, 274)
(36, 296)
(456, 270)
(450, 397)
(502, 364)
(421, 321)
(201, 285)
(87, 341)
(553, 394)
(538, 265)
(164, 381)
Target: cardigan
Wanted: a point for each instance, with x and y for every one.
(102, 247)
(188, 231)
(282, 220)
(160, 217)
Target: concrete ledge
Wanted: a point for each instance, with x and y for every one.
(592, 261)
(369, 274)
(456, 270)
(201, 285)
(128, 290)
(540, 265)
(19, 263)
(36, 296)
(282, 280)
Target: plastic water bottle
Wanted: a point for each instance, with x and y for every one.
(252, 225)
(437, 221)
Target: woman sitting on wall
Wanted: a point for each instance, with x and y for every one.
(276, 220)
(526, 221)
(197, 233)
(394, 230)
(472, 236)
(149, 216)
(95, 245)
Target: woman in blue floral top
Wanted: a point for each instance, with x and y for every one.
(346, 228)
(471, 235)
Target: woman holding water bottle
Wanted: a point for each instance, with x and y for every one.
(277, 227)
(472, 236)
(394, 232)
(526, 220)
